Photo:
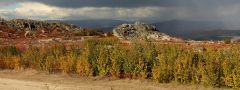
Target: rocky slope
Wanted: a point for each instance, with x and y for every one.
(140, 31)
(24, 24)
(26, 27)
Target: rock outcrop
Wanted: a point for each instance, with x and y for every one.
(140, 31)
(33, 28)
(23, 25)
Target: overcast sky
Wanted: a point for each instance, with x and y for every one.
(227, 11)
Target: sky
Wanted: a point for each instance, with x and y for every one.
(227, 11)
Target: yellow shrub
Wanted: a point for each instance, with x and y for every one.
(12, 62)
(66, 64)
(83, 67)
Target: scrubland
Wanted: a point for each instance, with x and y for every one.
(140, 60)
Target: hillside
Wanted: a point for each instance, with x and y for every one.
(196, 30)
(24, 28)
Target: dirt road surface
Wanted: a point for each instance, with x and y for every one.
(33, 80)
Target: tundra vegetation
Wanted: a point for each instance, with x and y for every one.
(110, 58)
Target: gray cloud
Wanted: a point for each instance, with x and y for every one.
(212, 10)
(137, 3)
(108, 3)
(130, 3)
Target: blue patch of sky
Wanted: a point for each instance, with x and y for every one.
(10, 7)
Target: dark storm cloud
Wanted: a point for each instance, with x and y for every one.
(193, 4)
(213, 10)
(128, 3)
(108, 3)
(135, 3)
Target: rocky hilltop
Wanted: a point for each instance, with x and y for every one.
(24, 24)
(140, 31)
(26, 27)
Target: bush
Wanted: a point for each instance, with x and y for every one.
(88, 32)
(227, 40)
(83, 67)
(165, 63)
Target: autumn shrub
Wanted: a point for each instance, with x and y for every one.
(163, 69)
(80, 60)
(212, 70)
(103, 61)
(9, 57)
(117, 59)
(142, 55)
(32, 58)
(104, 57)
(134, 64)
(88, 32)
(12, 62)
(234, 81)
(53, 57)
(83, 67)
(51, 65)
(230, 66)
(10, 50)
(2, 64)
(227, 40)
(98, 56)
(66, 64)
(183, 68)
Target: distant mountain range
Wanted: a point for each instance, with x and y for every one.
(196, 30)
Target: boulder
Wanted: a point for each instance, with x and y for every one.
(139, 31)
